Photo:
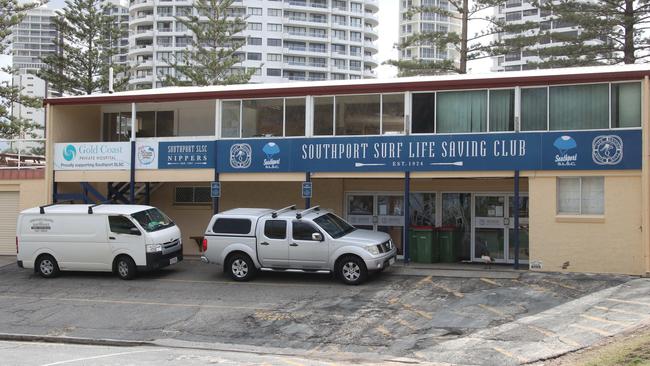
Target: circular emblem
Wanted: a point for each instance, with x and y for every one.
(146, 154)
(69, 152)
(607, 150)
(240, 156)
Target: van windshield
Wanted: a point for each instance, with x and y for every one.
(334, 225)
(152, 219)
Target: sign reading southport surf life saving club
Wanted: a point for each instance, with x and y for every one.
(92, 156)
(574, 150)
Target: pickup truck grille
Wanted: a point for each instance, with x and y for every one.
(385, 247)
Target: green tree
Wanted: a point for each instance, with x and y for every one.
(603, 32)
(11, 126)
(457, 39)
(212, 55)
(85, 50)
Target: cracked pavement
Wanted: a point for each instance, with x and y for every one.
(421, 318)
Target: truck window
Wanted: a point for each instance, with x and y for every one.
(121, 225)
(232, 226)
(275, 229)
(303, 230)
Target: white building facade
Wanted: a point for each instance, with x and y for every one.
(519, 12)
(423, 23)
(33, 38)
(285, 40)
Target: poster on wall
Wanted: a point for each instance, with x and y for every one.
(146, 155)
(92, 156)
(186, 154)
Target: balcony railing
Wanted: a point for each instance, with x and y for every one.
(22, 154)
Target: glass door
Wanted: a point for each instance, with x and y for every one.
(490, 222)
(523, 230)
(379, 212)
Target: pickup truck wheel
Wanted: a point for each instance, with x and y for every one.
(351, 270)
(46, 266)
(125, 268)
(241, 267)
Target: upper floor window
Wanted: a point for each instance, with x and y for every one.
(369, 114)
(263, 117)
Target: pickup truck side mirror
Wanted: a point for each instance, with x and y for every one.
(317, 237)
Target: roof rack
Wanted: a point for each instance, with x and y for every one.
(90, 208)
(300, 214)
(275, 213)
(42, 208)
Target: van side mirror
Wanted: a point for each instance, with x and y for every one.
(317, 237)
(134, 231)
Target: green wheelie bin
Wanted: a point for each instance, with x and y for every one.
(423, 244)
(447, 243)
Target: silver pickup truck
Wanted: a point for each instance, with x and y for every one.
(246, 240)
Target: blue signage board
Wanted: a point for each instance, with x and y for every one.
(215, 189)
(186, 154)
(306, 189)
(577, 150)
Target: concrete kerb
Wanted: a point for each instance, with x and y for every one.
(72, 340)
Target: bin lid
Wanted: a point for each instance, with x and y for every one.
(421, 228)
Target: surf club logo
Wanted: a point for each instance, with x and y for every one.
(240, 156)
(607, 150)
(146, 155)
(271, 149)
(565, 146)
(69, 152)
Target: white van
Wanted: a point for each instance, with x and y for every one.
(123, 239)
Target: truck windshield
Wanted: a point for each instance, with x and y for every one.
(334, 225)
(152, 219)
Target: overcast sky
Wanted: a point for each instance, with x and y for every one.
(388, 34)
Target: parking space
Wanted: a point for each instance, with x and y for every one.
(391, 315)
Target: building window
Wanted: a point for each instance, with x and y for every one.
(273, 57)
(274, 12)
(357, 115)
(423, 109)
(461, 111)
(502, 110)
(273, 72)
(274, 27)
(580, 196)
(254, 26)
(392, 116)
(579, 107)
(263, 117)
(254, 11)
(626, 105)
(254, 56)
(323, 115)
(274, 42)
(254, 41)
(117, 126)
(533, 109)
(192, 195)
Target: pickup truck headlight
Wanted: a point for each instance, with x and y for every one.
(373, 249)
(154, 248)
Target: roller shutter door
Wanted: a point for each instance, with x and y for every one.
(8, 216)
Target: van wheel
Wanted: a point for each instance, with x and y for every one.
(46, 266)
(125, 267)
(241, 267)
(351, 270)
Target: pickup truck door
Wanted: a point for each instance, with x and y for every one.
(273, 244)
(304, 251)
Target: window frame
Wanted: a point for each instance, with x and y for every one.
(194, 202)
(579, 213)
(284, 117)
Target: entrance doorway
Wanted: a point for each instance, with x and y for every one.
(493, 227)
(379, 212)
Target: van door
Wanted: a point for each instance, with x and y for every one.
(273, 244)
(123, 234)
(304, 251)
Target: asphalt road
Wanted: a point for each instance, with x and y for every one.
(194, 304)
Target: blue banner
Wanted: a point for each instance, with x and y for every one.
(577, 150)
(186, 154)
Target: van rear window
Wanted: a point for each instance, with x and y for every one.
(232, 226)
